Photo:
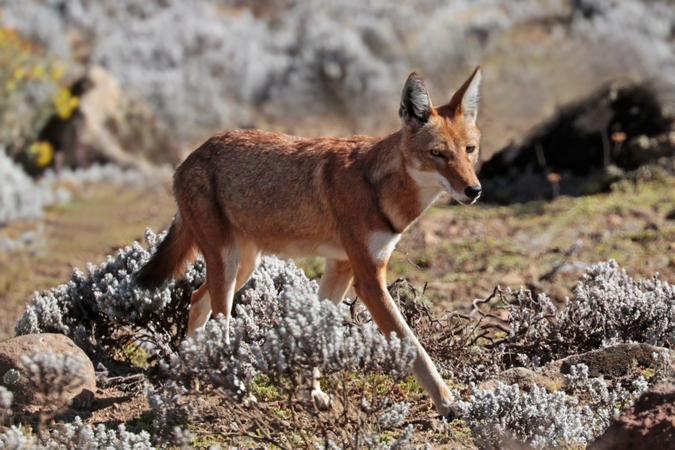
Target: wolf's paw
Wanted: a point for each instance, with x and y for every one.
(249, 400)
(322, 400)
(447, 405)
(451, 412)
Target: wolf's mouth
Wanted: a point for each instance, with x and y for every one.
(467, 201)
(461, 198)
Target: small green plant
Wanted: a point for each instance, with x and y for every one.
(137, 356)
(264, 390)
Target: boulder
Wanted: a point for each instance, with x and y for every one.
(619, 360)
(611, 363)
(109, 125)
(649, 423)
(584, 146)
(15, 377)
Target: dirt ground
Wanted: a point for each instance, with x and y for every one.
(459, 252)
(97, 223)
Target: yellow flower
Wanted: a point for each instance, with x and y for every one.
(39, 72)
(42, 153)
(57, 72)
(19, 73)
(66, 103)
(11, 85)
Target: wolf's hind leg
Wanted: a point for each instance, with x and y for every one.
(336, 280)
(249, 255)
(200, 308)
(222, 272)
(248, 261)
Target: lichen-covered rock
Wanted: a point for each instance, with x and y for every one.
(650, 423)
(524, 378)
(621, 359)
(16, 377)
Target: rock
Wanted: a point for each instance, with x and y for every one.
(618, 360)
(611, 363)
(109, 125)
(524, 378)
(650, 423)
(13, 374)
(624, 125)
(119, 126)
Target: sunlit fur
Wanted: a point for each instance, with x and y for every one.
(244, 193)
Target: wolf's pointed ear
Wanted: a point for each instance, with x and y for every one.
(415, 102)
(465, 100)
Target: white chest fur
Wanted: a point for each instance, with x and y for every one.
(381, 244)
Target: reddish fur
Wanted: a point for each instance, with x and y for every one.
(169, 260)
(247, 192)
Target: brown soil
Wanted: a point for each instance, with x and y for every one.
(649, 424)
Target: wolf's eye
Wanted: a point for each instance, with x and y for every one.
(470, 148)
(435, 152)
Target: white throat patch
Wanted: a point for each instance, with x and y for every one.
(430, 184)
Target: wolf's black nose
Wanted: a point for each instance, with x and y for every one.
(473, 191)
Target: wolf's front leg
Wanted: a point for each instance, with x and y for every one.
(371, 286)
(335, 282)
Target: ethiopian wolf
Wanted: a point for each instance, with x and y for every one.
(245, 193)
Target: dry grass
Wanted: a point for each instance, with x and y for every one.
(98, 222)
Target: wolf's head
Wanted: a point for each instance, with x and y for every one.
(442, 144)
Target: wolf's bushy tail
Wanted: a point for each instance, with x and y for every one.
(170, 257)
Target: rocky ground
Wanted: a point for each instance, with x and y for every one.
(460, 253)
(648, 424)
